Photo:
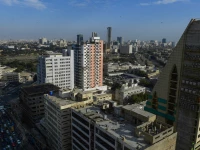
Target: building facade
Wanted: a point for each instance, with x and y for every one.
(126, 49)
(88, 61)
(175, 97)
(32, 101)
(58, 120)
(127, 90)
(79, 39)
(43, 41)
(11, 77)
(92, 128)
(57, 68)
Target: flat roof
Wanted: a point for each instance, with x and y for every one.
(40, 89)
(139, 109)
(115, 126)
(58, 101)
(126, 88)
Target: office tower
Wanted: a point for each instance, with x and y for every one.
(120, 40)
(126, 128)
(175, 97)
(109, 37)
(32, 102)
(43, 41)
(89, 63)
(57, 68)
(79, 39)
(164, 40)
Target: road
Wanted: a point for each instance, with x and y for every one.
(9, 138)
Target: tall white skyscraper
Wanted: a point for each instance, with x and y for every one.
(57, 68)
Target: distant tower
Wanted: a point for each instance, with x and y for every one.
(173, 44)
(164, 40)
(94, 34)
(79, 39)
(120, 40)
(109, 36)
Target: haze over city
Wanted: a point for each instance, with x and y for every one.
(138, 19)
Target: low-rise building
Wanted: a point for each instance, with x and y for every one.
(127, 90)
(11, 77)
(32, 100)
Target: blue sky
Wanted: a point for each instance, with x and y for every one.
(131, 19)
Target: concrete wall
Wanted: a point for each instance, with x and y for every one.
(169, 143)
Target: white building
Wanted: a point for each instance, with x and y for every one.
(43, 41)
(126, 49)
(57, 68)
(127, 90)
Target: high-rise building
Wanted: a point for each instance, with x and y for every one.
(175, 97)
(120, 40)
(164, 40)
(88, 61)
(57, 68)
(126, 128)
(58, 121)
(79, 39)
(109, 37)
(58, 107)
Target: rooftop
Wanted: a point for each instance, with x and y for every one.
(58, 101)
(40, 89)
(116, 126)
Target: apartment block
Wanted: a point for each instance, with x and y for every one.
(88, 62)
(175, 97)
(57, 68)
(32, 101)
(107, 129)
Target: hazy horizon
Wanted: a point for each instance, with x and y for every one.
(138, 19)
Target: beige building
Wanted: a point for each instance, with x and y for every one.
(58, 120)
(127, 90)
(175, 97)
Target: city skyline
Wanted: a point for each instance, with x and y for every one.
(134, 20)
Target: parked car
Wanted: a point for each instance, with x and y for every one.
(18, 142)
